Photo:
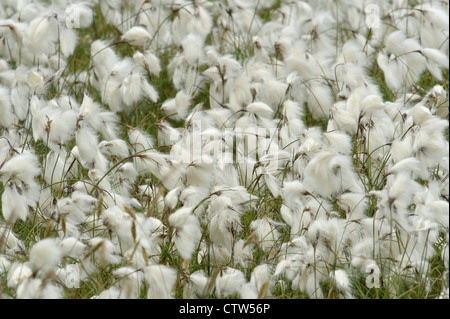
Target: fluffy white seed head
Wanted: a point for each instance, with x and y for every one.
(161, 280)
(17, 273)
(6, 114)
(196, 286)
(229, 282)
(45, 255)
(137, 35)
(22, 167)
(187, 231)
(72, 247)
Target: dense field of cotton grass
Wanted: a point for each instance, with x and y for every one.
(224, 149)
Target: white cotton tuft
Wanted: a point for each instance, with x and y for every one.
(261, 279)
(14, 206)
(420, 114)
(329, 172)
(149, 91)
(161, 280)
(292, 110)
(293, 192)
(131, 88)
(104, 250)
(87, 141)
(409, 165)
(273, 184)
(436, 61)
(129, 282)
(229, 282)
(260, 109)
(140, 140)
(4, 265)
(187, 231)
(83, 12)
(116, 147)
(266, 233)
(6, 113)
(17, 273)
(223, 226)
(196, 286)
(36, 288)
(72, 247)
(355, 204)
(339, 141)
(149, 61)
(172, 197)
(137, 35)
(41, 35)
(45, 255)
(192, 48)
(342, 282)
(177, 107)
(103, 59)
(68, 41)
(248, 291)
(371, 103)
(23, 167)
(319, 100)
(89, 111)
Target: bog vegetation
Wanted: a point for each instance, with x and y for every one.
(224, 149)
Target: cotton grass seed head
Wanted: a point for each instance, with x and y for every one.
(258, 144)
(45, 255)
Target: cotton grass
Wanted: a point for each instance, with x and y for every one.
(257, 149)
